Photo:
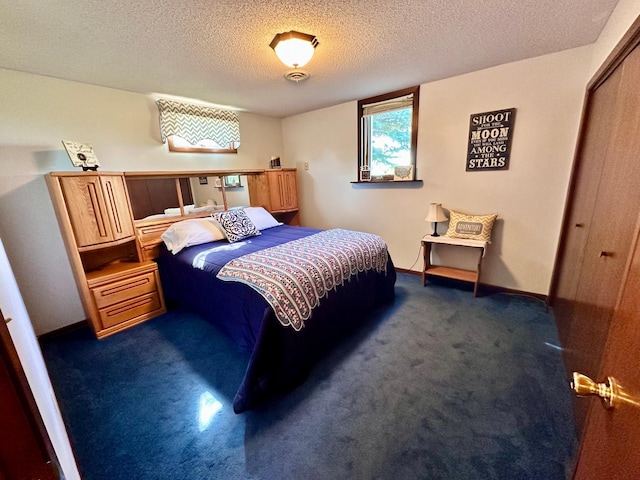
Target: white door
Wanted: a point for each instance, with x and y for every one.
(28, 349)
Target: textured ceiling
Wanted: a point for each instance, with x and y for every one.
(218, 51)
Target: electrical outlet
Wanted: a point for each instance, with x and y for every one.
(306, 165)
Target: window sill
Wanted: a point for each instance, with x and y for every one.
(411, 183)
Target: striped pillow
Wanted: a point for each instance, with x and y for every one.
(475, 227)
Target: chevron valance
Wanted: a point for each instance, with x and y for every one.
(195, 123)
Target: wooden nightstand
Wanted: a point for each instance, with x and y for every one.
(124, 294)
(472, 276)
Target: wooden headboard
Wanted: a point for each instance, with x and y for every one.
(148, 193)
(149, 233)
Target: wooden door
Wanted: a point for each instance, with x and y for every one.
(613, 223)
(98, 208)
(291, 189)
(87, 209)
(117, 205)
(25, 449)
(277, 191)
(611, 437)
(596, 288)
(589, 165)
(283, 190)
(259, 195)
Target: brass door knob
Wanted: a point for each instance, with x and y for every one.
(583, 386)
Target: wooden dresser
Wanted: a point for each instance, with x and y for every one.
(117, 287)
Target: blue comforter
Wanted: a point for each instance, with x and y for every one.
(280, 357)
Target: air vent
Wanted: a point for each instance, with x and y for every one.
(296, 75)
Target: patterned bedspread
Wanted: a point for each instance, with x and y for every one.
(295, 276)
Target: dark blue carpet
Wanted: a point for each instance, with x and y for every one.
(438, 385)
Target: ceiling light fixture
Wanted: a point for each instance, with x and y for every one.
(294, 49)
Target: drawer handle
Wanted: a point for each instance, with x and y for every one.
(130, 306)
(114, 290)
(606, 254)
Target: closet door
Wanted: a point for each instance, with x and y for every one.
(606, 207)
(614, 220)
(598, 124)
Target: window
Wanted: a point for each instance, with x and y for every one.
(179, 144)
(196, 128)
(388, 136)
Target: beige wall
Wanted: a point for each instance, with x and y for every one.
(547, 93)
(623, 16)
(36, 114)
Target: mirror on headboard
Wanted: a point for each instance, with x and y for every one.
(152, 196)
(155, 197)
(208, 191)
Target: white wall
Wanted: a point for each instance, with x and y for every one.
(36, 114)
(625, 13)
(529, 197)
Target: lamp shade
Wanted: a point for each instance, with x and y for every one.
(293, 48)
(436, 214)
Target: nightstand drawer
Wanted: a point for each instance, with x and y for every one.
(130, 309)
(121, 290)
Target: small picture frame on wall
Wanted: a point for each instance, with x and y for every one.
(274, 162)
(230, 181)
(402, 173)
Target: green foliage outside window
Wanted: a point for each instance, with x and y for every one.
(390, 140)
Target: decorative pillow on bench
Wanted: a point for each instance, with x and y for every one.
(476, 227)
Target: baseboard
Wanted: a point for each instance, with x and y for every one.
(59, 331)
(483, 288)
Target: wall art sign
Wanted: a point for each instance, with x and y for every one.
(490, 135)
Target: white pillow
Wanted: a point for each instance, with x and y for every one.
(176, 211)
(206, 209)
(261, 218)
(191, 232)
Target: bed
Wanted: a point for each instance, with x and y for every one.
(281, 354)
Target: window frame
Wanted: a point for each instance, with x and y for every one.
(196, 149)
(363, 131)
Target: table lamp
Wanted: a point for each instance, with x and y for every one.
(435, 215)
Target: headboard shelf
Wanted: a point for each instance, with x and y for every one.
(160, 198)
(192, 173)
